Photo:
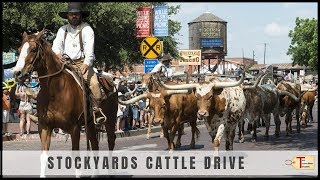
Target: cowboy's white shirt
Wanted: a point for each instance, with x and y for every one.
(72, 44)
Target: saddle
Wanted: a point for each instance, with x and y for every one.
(106, 83)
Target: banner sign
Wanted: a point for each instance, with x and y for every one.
(190, 57)
(160, 24)
(160, 163)
(143, 22)
(149, 64)
(211, 42)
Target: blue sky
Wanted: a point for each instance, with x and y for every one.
(249, 26)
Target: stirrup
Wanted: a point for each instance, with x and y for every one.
(98, 120)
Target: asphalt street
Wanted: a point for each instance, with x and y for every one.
(307, 139)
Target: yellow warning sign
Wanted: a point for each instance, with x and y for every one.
(151, 47)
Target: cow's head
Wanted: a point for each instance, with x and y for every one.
(208, 100)
(207, 94)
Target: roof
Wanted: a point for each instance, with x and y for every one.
(257, 66)
(288, 66)
(282, 66)
(207, 16)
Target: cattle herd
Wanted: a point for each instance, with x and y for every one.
(224, 104)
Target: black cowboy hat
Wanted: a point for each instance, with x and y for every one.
(74, 7)
(166, 57)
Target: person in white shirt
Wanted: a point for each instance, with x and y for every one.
(288, 76)
(67, 42)
(164, 66)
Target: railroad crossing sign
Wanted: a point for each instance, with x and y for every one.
(151, 47)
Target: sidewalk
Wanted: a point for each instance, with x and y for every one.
(13, 128)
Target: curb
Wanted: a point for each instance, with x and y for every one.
(102, 135)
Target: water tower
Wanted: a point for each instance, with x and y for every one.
(209, 33)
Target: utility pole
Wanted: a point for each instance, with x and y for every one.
(264, 54)
(253, 55)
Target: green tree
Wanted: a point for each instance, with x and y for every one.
(114, 24)
(304, 43)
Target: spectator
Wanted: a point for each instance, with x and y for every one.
(122, 87)
(232, 71)
(288, 76)
(120, 118)
(6, 111)
(25, 107)
(237, 71)
(135, 115)
(126, 113)
(142, 109)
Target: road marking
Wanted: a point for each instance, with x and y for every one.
(139, 147)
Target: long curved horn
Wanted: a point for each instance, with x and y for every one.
(178, 86)
(258, 81)
(133, 100)
(217, 85)
(170, 92)
(295, 98)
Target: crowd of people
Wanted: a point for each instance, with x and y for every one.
(134, 116)
(19, 100)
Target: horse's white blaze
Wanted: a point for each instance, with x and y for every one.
(22, 57)
(203, 89)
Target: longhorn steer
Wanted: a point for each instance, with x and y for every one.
(253, 110)
(172, 109)
(221, 105)
(150, 84)
(287, 105)
(261, 101)
(307, 102)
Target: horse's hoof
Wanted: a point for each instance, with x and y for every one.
(148, 136)
(241, 140)
(161, 135)
(253, 140)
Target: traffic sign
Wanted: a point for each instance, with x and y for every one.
(149, 64)
(151, 47)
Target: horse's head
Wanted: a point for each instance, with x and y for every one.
(30, 54)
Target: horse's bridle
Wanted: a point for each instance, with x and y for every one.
(40, 49)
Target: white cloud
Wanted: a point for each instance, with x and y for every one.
(275, 29)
